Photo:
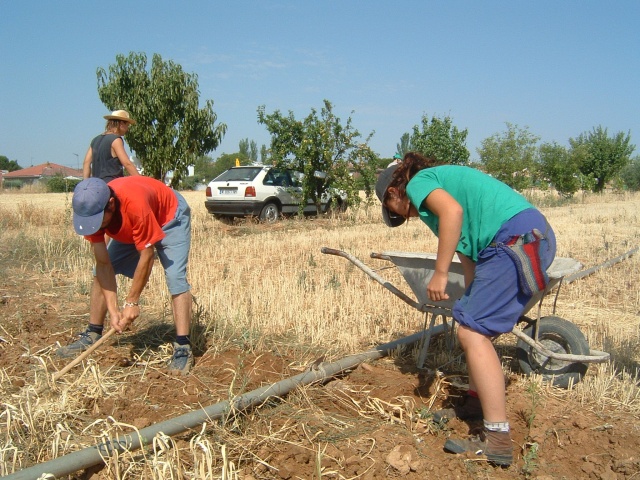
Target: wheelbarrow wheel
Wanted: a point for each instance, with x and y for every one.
(559, 336)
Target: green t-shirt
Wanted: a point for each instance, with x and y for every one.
(487, 203)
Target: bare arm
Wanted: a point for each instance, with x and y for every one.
(117, 150)
(140, 279)
(450, 214)
(86, 164)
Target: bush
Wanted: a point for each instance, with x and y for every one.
(12, 184)
(188, 183)
(631, 175)
(58, 184)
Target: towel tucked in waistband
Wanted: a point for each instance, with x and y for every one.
(525, 252)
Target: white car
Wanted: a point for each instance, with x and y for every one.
(261, 191)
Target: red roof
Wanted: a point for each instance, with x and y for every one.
(44, 170)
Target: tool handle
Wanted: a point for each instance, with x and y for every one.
(84, 354)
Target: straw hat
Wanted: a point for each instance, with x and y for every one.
(120, 115)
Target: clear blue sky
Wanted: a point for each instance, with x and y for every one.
(559, 68)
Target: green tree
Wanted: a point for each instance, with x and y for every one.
(511, 156)
(171, 130)
(557, 166)
(203, 168)
(243, 146)
(10, 165)
(320, 143)
(380, 163)
(441, 140)
(249, 149)
(630, 174)
(228, 160)
(601, 157)
(405, 145)
(253, 151)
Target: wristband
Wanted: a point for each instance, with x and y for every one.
(130, 304)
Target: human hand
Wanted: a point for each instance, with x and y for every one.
(125, 318)
(436, 287)
(129, 313)
(116, 322)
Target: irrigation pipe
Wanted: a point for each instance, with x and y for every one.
(94, 455)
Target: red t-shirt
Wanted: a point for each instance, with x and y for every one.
(146, 205)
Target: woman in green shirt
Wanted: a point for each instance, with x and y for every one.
(485, 222)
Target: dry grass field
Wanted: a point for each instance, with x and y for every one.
(269, 304)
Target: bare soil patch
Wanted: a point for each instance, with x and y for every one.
(367, 424)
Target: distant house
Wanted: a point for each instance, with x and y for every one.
(43, 172)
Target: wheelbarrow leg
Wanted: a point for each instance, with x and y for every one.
(427, 333)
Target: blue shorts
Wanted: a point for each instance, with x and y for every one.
(494, 302)
(172, 250)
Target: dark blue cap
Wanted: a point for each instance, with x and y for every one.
(90, 198)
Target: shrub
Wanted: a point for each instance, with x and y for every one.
(12, 184)
(188, 183)
(59, 184)
(630, 175)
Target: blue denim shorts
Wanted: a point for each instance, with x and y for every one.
(494, 301)
(172, 251)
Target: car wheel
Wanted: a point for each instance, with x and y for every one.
(270, 213)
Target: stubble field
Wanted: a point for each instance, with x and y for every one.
(268, 305)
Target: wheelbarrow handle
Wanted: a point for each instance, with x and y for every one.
(385, 283)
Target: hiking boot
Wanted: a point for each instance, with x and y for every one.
(181, 361)
(496, 446)
(470, 410)
(85, 340)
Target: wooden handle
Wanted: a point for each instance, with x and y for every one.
(84, 354)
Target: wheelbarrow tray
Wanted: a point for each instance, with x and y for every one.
(418, 268)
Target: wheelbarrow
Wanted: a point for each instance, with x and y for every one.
(550, 346)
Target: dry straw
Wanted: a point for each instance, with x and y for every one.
(261, 287)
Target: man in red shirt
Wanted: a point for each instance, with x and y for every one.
(142, 216)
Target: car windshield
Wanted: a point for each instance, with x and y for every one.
(245, 174)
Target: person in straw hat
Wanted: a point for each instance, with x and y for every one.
(106, 158)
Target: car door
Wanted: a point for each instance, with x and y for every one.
(296, 192)
(283, 187)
